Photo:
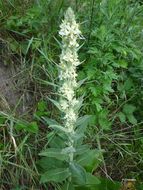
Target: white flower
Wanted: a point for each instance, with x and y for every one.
(74, 43)
(68, 74)
(70, 57)
(70, 127)
(65, 29)
(74, 102)
(64, 105)
(75, 29)
(70, 116)
(67, 91)
(69, 29)
(70, 95)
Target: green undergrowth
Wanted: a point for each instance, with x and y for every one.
(113, 89)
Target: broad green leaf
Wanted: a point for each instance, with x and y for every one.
(81, 126)
(78, 174)
(45, 164)
(91, 179)
(82, 149)
(83, 188)
(106, 184)
(57, 141)
(55, 175)
(55, 153)
(90, 159)
(82, 123)
(77, 137)
(67, 186)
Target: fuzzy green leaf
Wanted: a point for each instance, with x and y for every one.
(45, 164)
(55, 153)
(78, 174)
(55, 175)
(91, 179)
(82, 123)
(67, 186)
(89, 164)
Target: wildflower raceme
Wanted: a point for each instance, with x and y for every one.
(70, 33)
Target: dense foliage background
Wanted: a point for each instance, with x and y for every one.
(113, 89)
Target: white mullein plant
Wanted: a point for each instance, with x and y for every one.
(70, 33)
(66, 157)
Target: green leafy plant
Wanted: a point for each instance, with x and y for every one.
(113, 87)
(112, 58)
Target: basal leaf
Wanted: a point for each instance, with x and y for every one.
(89, 160)
(45, 164)
(67, 186)
(91, 180)
(55, 175)
(78, 174)
(55, 153)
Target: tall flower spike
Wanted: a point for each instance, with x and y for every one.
(70, 33)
